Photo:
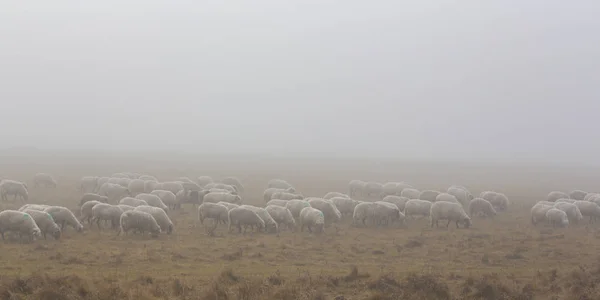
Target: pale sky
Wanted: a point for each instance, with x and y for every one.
(484, 80)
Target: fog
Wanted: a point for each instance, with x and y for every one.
(457, 80)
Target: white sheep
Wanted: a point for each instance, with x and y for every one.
(282, 216)
(572, 211)
(453, 212)
(538, 213)
(139, 221)
(417, 208)
(399, 201)
(190, 197)
(481, 206)
(356, 188)
(150, 185)
(335, 194)
(113, 191)
(241, 216)
(364, 211)
(277, 202)
(410, 193)
(296, 206)
(45, 223)
(153, 200)
(555, 195)
(88, 184)
(125, 207)
(387, 213)
(14, 188)
(311, 217)
(446, 197)
(222, 197)
(332, 214)
(462, 195)
(344, 205)
(270, 224)
(278, 183)
(107, 212)
(498, 200)
(215, 211)
(204, 180)
(19, 222)
(429, 195)
(577, 194)
(148, 178)
(167, 197)
(557, 217)
(86, 211)
(43, 179)
(286, 196)
(133, 201)
(159, 215)
(92, 197)
(234, 182)
(588, 209)
(136, 186)
(374, 190)
(64, 216)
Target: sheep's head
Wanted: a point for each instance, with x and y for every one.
(467, 222)
(56, 233)
(170, 229)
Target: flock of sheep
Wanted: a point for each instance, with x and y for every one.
(141, 203)
(561, 209)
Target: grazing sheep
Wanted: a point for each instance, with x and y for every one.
(374, 190)
(332, 214)
(107, 212)
(462, 195)
(222, 197)
(14, 188)
(138, 221)
(86, 211)
(62, 216)
(296, 206)
(428, 195)
(43, 179)
(241, 216)
(88, 184)
(229, 206)
(136, 186)
(399, 201)
(277, 202)
(133, 201)
(417, 208)
(557, 217)
(278, 183)
(410, 193)
(286, 196)
(335, 194)
(446, 197)
(344, 205)
(311, 217)
(498, 200)
(282, 216)
(114, 192)
(538, 213)
(387, 212)
(19, 222)
(204, 180)
(40, 207)
(577, 194)
(159, 215)
(45, 223)
(92, 197)
(234, 182)
(588, 209)
(453, 212)
(482, 206)
(213, 211)
(572, 211)
(555, 195)
(125, 207)
(153, 200)
(148, 178)
(270, 224)
(356, 188)
(172, 186)
(362, 212)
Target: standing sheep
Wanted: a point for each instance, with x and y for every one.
(19, 222)
(557, 217)
(571, 210)
(270, 224)
(481, 206)
(64, 216)
(588, 209)
(577, 194)
(311, 217)
(498, 200)
(159, 215)
(213, 211)
(387, 213)
(362, 212)
(138, 221)
(410, 193)
(241, 216)
(14, 188)
(45, 223)
(449, 211)
(538, 213)
(107, 212)
(86, 211)
(43, 179)
(417, 208)
(332, 214)
(282, 216)
(344, 205)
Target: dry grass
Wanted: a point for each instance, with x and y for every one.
(504, 258)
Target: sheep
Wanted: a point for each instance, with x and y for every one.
(278, 183)
(270, 224)
(92, 197)
(153, 200)
(332, 214)
(577, 194)
(555, 195)
(114, 192)
(268, 194)
(107, 212)
(296, 206)
(286, 196)
(399, 201)
(150, 185)
(387, 212)
(138, 221)
(410, 193)
(234, 182)
(125, 207)
(204, 180)
(241, 216)
(448, 211)
(88, 184)
(64, 216)
(213, 211)
(282, 216)
(572, 211)
(480, 205)
(159, 215)
(222, 197)
(310, 217)
(356, 188)
(588, 209)
(428, 195)
(344, 205)
(417, 207)
(45, 223)
(231, 188)
(277, 202)
(15, 188)
(43, 179)
(462, 195)
(148, 178)
(363, 211)
(19, 222)
(133, 201)
(99, 183)
(172, 186)
(335, 194)
(557, 217)
(136, 186)
(40, 207)
(498, 200)
(538, 213)
(228, 205)
(446, 197)
(374, 190)
(86, 211)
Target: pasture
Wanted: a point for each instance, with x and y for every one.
(500, 258)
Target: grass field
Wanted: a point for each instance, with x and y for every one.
(503, 258)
